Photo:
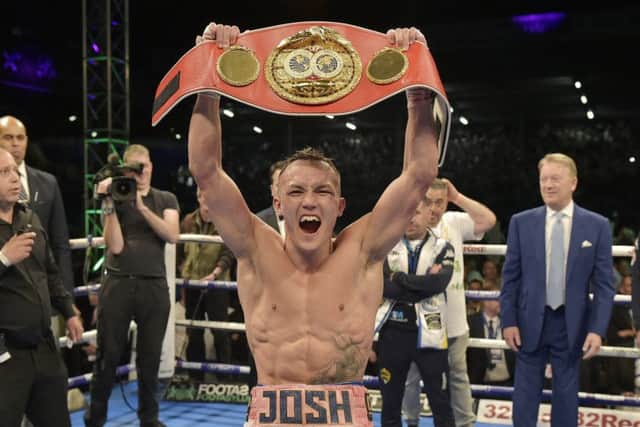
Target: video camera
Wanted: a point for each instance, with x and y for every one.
(123, 188)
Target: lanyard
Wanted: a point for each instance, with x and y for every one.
(414, 254)
(492, 327)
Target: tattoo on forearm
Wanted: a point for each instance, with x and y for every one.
(348, 365)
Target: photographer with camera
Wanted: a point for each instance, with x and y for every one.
(137, 223)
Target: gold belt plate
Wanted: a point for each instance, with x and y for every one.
(314, 66)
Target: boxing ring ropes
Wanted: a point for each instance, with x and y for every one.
(478, 391)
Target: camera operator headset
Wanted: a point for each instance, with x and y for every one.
(136, 226)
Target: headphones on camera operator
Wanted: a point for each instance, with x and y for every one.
(123, 188)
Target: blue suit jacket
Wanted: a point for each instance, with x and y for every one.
(589, 268)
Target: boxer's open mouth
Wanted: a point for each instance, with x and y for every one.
(309, 223)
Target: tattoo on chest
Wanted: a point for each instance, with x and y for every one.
(347, 364)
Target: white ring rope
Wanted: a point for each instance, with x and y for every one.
(605, 351)
(222, 368)
(202, 324)
(488, 295)
(229, 285)
(482, 249)
(86, 378)
(469, 249)
(202, 238)
(88, 337)
(83, 243)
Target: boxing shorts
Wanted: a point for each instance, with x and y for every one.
(296, 405)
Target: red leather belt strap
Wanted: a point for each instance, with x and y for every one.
(196, 72)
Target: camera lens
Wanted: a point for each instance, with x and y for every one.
(123, 188)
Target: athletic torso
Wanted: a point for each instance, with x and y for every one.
(309, 327)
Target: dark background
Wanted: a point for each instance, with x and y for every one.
(514, 86)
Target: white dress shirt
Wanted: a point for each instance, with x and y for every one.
(498, 369)
(22, 168)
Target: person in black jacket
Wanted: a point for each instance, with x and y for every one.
(33, 376)
(42, 194)
(411, 322)
(489, 366)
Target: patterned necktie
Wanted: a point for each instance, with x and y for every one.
(23, 197)
(555, 285)
(490, 330)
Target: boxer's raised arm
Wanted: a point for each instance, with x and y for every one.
(221, 195)
(398, 203)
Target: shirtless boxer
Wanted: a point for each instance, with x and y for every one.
(310, 302)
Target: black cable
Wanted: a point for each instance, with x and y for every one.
(124, 396)
(134, 349)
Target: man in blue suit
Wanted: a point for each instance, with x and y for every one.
(556, 255)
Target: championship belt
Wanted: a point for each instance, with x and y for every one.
(305, 69)
(298, 405)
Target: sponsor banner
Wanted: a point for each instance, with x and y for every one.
(500, 411)
(375, 402)
(188, 391)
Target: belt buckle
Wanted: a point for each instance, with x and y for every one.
(314, 66)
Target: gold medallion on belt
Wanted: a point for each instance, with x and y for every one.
(314, 66)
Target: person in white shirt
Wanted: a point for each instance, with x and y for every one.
(456, 228)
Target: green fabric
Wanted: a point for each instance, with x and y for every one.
(201, 258)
